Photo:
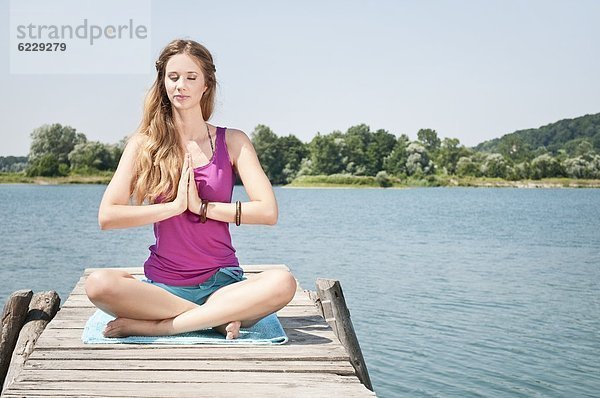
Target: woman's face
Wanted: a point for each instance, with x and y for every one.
(184, 81)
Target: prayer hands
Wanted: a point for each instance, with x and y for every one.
(181, 201)
(193, 198)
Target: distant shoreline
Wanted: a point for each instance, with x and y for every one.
(528, 184)
(440, 181)
(15, 178)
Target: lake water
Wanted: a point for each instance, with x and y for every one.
(454, 292)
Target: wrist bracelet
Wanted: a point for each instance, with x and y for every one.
(238, 213)
(203, 209)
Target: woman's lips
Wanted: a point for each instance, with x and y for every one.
(181, 97)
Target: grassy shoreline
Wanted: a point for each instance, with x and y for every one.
(438, 181)
(341, 181)
(18, 178)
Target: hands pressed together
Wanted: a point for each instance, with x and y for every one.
(187, 192)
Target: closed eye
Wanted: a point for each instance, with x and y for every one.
(175, 78)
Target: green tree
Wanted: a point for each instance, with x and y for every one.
(293, 151)
(584, 148)
(494, 166)
(52, 144)
(467, 166)
(305, 168)
(583, 166)
(325, 154)
(512, 147)
(383, 179)
(47, 166)
(56, 139)
(418, 162)
(92, 156)
(545, 166)
(13, 164)
(353, 149)
(551, 137)
(395, 162)
(381, 145)
(519, 171)
(430, 140)
(596, 141)
(272, 160)
(449, 153)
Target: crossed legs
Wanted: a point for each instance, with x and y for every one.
(147, 310)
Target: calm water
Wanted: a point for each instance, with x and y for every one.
(454, 292)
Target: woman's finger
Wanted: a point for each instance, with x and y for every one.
(186, 164)
(192, 182)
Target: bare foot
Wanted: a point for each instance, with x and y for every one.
(230, 330)
(233, 330)
(123, 327)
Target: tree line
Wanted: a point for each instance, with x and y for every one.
(565, 134)
(362, 152)
(58, 150)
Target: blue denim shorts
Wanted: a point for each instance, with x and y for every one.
(199, 293)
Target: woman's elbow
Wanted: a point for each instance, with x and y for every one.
(102, 223)
(271, 218)
(103, 220)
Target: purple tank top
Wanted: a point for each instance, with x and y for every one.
(186, 251)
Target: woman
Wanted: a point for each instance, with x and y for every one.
(184, 169)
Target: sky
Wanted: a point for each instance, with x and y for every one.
(472, 70)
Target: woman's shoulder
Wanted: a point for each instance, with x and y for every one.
(136, 139)
(234, 133)
(235, 138)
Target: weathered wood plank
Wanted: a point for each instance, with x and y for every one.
(337, 315)
(232, 388)
(176, 376)
(339, 367)
(144, 352)
(13, 316)
(71, 338)
(42, 308)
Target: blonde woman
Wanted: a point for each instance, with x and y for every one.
(177, 172)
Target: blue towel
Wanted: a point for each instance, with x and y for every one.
(267, 331)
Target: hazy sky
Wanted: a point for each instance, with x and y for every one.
(473, 70)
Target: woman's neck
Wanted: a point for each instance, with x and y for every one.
(190, 123)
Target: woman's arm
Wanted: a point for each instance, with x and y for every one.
(262, 208)
(115, 212)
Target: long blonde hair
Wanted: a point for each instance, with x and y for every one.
(160, 157)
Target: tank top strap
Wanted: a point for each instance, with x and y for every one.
(220, 140)
(220, 132)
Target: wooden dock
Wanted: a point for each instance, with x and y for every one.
(312, 364)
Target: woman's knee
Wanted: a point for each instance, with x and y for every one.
(284, 286)
(102, 283)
